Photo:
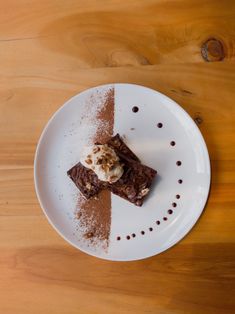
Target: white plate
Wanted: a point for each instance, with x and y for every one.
(59, 149)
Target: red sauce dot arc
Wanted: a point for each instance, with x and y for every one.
(135, 109)
(128, 237)
(142, 232)
(159, 125)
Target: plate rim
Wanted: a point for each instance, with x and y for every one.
(36, 157)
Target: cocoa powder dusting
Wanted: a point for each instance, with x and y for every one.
(95, 214)
(105, 116)
(95, 217)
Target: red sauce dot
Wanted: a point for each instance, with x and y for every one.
(133, 235)
(142, 232)
(128, 237)
(172, 143)
(158, 222)
(150, 229)
(170, 211)
(177, 196)
(174, 204)
(180, 181)
(159, 125)
(118, 238)
(178, 163)
(165, 218)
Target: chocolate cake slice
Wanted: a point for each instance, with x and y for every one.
(135, 182)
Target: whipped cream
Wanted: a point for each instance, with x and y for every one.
(103, 160)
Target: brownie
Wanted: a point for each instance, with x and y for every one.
(86, 180)
(135, 182)
(82, 176)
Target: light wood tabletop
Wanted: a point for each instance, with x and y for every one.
(49, 51)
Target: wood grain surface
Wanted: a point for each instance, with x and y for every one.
(53, 49)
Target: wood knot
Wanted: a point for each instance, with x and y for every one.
(212, 50)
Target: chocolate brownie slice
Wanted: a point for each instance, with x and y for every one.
(135, 182)
(85, 180)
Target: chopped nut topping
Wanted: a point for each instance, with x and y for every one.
(111, 167)
(96, 149)
(116, 142)
(144, 192)
(99, 162)
(105, 147)
(88, 161)
(88, 186)
(113, 178)
(103, 161)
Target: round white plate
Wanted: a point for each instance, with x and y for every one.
(155, 228)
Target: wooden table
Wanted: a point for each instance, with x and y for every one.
(53, 49)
